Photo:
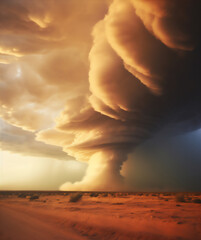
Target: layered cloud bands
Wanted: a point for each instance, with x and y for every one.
(43, 54)
(43, 64)
(143, 74)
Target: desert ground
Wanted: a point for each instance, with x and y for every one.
(62, 215)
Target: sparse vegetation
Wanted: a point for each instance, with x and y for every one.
(75, 197)
(104, 194)
(94, 194)
(33, 197)
(196, 200)
(22, 195)
(180, 197)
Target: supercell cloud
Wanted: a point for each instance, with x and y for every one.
(110, 78)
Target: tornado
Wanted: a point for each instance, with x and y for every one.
(144, 76)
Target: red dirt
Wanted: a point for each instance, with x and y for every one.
(128, 217)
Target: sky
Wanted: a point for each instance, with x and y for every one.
(100, 95)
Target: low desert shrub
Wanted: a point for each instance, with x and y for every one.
(75, 197)
(180, 197)
(33, 197)
(94, 194)
(22, 195)
(196, 200)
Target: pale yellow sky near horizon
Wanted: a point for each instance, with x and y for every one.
(19, 172)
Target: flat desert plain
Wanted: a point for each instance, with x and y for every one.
(144, 216)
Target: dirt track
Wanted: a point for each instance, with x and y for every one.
(16, 224)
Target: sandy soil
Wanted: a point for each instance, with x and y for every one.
(112, 217)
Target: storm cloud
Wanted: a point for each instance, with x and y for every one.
(143, 76)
